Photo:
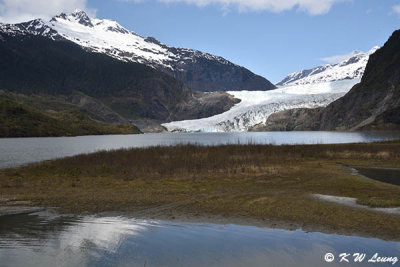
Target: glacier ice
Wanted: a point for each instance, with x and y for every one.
(256, 106)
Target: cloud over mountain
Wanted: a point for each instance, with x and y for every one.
(338, 58)
(396, 9)
(313, 7)
(12, 11)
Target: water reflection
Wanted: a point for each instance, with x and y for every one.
(18, 151)
(47, 240)
(386, 175)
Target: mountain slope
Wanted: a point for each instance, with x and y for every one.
(372, 104)
(351, 68)
(198, 70)
(35, 64)
(375, 101)
(18, 120)
(98, 84)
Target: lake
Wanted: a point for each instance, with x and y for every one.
(48, 239)
(45, 239)
(386, 175)
(19, 151)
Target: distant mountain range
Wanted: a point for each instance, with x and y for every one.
(350, 68)
(74, 67)
(359, 93)
(199, 71)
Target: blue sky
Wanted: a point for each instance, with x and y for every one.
(270, 37)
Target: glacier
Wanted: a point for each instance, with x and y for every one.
(256, 106)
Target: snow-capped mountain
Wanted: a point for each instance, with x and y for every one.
(256, 107)
(351, 68)
(201, 71)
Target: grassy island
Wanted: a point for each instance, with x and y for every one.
(271, 184)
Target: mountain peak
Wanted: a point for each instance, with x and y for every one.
(373, 50)
(81, 17)
(110, 38)
(60, 16)
(351, 68)
(77, 15)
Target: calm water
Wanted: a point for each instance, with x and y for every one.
(47, 240)
(18, 151)
(386, 175)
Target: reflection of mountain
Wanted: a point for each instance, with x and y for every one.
(53, 240)
(29, 228)
(104, 233)
(74, 231)
(118, 241)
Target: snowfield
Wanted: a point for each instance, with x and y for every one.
(351, 68)
(256, 106)
(110, 38)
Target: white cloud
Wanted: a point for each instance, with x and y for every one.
(13, 11)
(396, 9)
(313, 7)
(134, 1)
(339, 58)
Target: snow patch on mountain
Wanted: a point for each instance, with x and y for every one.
(198, 70)
(350, 68)
(109, 37)
(256, 106)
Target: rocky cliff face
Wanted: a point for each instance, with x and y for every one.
(375, 100)
(299, 119)
(204, 105)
